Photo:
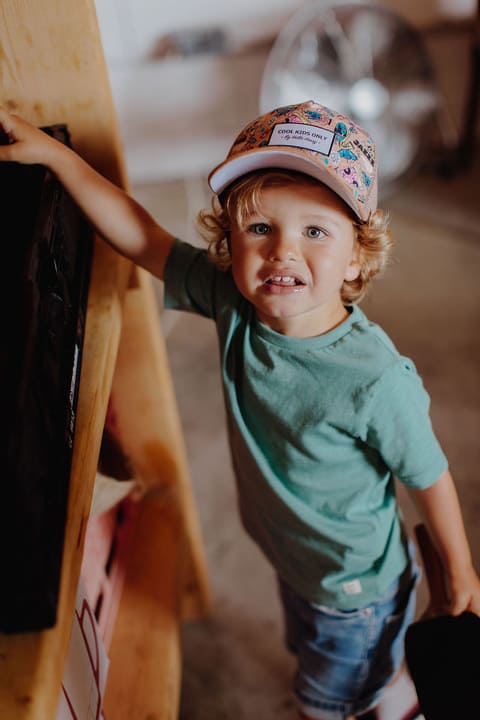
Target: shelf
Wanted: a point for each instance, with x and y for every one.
(54, 72)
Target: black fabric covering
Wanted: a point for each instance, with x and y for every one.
(442, 656)
(47, 248)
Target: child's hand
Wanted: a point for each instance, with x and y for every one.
(26, 143)
(464, 593)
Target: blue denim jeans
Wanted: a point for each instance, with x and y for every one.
(346, 658)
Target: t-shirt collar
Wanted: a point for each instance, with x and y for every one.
(319, 341)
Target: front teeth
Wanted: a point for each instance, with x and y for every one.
(283, 279)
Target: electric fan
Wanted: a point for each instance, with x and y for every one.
(363, 60)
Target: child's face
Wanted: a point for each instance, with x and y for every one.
(291, 257)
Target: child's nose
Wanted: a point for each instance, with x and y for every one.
(283, 246)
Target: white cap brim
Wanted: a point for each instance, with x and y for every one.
(289, 159)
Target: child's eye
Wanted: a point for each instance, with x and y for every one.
(259, 228)
(314, 232)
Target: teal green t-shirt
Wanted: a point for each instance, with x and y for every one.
(318, 428)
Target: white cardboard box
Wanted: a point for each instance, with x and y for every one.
(86, 666)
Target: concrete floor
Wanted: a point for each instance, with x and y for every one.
(235, 665)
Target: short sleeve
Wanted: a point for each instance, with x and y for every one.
(190, 279)
(398, 425)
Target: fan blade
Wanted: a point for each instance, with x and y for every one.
(294, 87)
(414, 103)
(397, 147)
(370, 33)
(331, 26)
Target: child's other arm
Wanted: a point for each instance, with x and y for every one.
(440, 510)
(119, 219)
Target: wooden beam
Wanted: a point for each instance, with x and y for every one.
(52, 71)
(145, 668)
(149, 427)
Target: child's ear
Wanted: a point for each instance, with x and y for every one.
(353, 270)
(355, 265)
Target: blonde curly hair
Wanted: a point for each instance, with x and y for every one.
(235, 204)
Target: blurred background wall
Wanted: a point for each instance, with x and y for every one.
(180, 103)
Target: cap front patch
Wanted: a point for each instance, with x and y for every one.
(307, 137)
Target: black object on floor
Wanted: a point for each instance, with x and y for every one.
(47, 249)
(442, 651)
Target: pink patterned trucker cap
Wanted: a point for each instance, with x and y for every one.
(311, 139)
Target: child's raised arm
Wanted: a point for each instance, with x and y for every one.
(440, 509)
(116, 217)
